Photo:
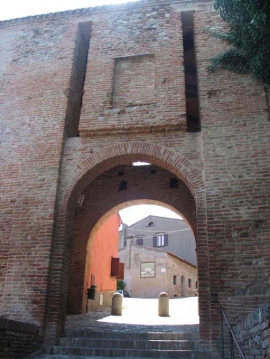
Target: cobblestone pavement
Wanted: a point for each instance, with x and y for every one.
(141, 315)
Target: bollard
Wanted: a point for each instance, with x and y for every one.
(117, 304)
(163, 305)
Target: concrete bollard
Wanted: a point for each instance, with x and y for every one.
(117, 304)
(163, 305)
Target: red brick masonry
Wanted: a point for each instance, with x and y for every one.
(85, 91)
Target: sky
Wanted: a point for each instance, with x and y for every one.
(11, 9)
(134, 214)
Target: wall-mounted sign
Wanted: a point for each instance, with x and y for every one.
(148, 270)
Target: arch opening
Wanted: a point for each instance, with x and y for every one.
(93, 171)
(134, 247)
(104, 196)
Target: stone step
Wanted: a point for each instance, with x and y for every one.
(57, 356)
(130, 344)
(131, 335)
(128, 353)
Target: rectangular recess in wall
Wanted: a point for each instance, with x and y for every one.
(77, 79)
(134, 80)
(191, 80)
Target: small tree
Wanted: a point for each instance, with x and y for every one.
(120, 284)
(249, 35)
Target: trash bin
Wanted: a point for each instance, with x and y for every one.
(92, 292)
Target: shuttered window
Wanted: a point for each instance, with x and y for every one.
(121, 271)
(161, 240)
(139, 241)
(115, 267)
(166, 239)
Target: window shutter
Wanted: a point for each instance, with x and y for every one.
(155, 241)
(115, 267)
(166, 241)
(121, 271)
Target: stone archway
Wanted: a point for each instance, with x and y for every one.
(77, 175)
(143, 183)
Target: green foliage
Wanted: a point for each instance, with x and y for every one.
(249, 34)
(120, 284)
(231, 60)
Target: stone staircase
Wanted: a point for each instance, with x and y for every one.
(98, 344)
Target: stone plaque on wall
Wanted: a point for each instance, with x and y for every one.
(148, 270)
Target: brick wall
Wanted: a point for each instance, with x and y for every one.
(185, 282)
(224, 169)
(253, 333)
(35, 71)
(18, 339)
(236, 149)
(134, 87)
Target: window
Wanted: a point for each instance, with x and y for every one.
(189, 283)
(115, 267)
(121, 271)
(150, 224)
(139, 241)
(174, 280)
(160, 240)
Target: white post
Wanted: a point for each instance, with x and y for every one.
(117, 304)
(163, 305)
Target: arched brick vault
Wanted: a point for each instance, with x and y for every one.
(100, 161)
(102, 195)
(74, 181)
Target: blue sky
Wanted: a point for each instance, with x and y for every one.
(10, 9)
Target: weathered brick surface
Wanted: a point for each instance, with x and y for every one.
(225, 167)
(35, 69)
(236, 148)
(186, 278)
(18, 339)
(134, 50)
(253, 333)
